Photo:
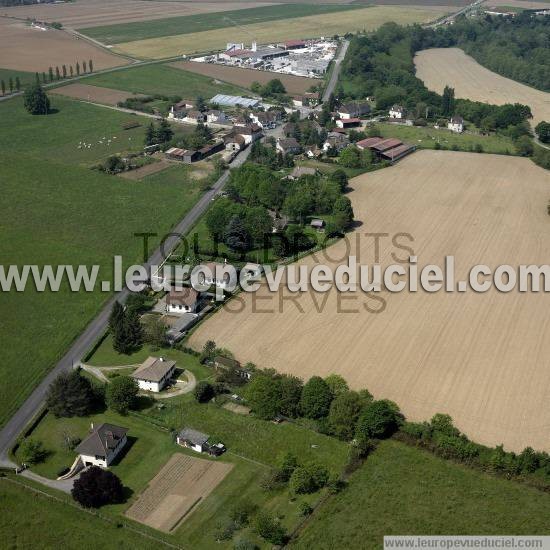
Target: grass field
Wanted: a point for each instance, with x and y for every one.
(428, 352)
(438, 67)
(24, 77)
(165, 80)
(401, 490)
(30, 516)
(57, 211)
(129, 32)
(299, 27)
(427, 138)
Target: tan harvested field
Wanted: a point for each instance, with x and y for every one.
(300, 27)
(525, 4)
(179, 487)
(482, 358)
(97, 94)
(23, 48)
(245, 77)
(94, 13)
(438, 67)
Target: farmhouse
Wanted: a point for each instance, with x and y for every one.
(250, 133)
(182, 301)
(198, 442)
(266, 119)
(102, 445)
(309, 99)
(348, 122)
(336, 140)
(217, 117)
(234, 141)
(397, 111)
(354, 109)
(456, 124)
(288, 146)
(194, 117)
(154, 373)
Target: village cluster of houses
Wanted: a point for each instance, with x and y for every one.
(398, 112)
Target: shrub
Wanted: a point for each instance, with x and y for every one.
(203, 392)
(32, 451)
(379, 420)
(269, 528)
(308, 478)
(122, 394)
(96, 487)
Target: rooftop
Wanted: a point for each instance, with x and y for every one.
(222, 99)
(193, 436)
(153, 369)
(101, 440)
(186, 297)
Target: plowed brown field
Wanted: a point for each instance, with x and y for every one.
(482, 358)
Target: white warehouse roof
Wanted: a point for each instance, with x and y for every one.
(233, 100)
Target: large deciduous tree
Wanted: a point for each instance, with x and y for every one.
(70, 394)
(96, 487)
(36, 101)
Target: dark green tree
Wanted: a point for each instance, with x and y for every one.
(64, 71)
(164, 132)
(44, 79)
(37, 79)
(57, 74)
(77, 68)
(341, 178)
(150, 135)
(121, 394)
(96, 487)
(269, 528)
(236, 236)
(203, 392)
(343, 414)
(316, 398)
(379, 420)
(50, 74)
(10, 84)
(36, 101)
(543, 131)
(262, 394)
(134, 330)
(308, 478)
(71, 72)
(70, 394)
(17, 84)
(91, 66)
(32, 451)
(84, 66)
(3, 86)
(448, 101)
(200, 104)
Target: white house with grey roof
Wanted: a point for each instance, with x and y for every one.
(154, 374)
(102, 445)
(192, 439)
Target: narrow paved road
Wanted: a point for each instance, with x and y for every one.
(336, 71)
(97, 327)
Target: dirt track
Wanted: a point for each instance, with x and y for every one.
(23, 48)
(482, 358)
(245, 77)
(438, 67)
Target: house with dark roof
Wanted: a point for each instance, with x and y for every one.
(228, 364)
(102, 445)
(456, 124)
(353, 109)
(154, 373)
(397, 111)
(288, 146)
(234, 141)
(336, 140)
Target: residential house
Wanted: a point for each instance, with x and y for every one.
(336, 140)
(300, 171)
(353, 109)
(211, 278)
(251, 271)
(195, 117)
(234, 141)
(348, 122)
(397, 111)
(250, 133)
(182, 301)
(226, 363)
(312, 151)
(288, 146)
(198, 442)
(179, 109)
(309, 99)
(217, 117)
(456, 124)
(154, 373)
(102, 445)
(242, 120)
(265, 120)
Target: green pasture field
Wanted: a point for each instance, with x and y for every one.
(128, 32)
(24, 77)
(165, 80)
(55, 210)
(426, 138)
(402, 490)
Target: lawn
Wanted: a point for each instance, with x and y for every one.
(24, 77)
(106, 356)
(28, 517)
(55, 210)
(127, 32)
(164, 80)
(402, 490)
(427, 137)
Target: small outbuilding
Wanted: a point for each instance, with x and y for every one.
(198, 442)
